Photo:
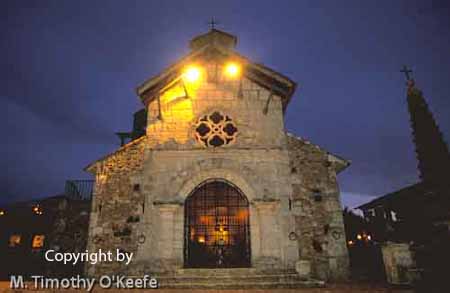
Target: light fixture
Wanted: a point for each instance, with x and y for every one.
(232, 69)
(192, 74)
(37, 210)
(2, 212)
(359, 237)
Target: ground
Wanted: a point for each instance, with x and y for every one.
(332, 288)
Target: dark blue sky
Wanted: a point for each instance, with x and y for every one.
(69, 69)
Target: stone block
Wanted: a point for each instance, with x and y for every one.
(398, 262)
(303, 269)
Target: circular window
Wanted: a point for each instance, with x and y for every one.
(215, 130)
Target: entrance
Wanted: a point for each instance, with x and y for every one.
(216, 227)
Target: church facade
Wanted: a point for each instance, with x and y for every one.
(216, 181)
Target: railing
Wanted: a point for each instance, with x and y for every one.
(79, 189)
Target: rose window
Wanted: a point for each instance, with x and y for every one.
(215, 130)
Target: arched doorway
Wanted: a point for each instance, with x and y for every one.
(216, 227)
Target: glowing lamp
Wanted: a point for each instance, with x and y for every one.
(359, 237)
(201, 239)
(37, 210)
(350, 242)
(192, 74)
(2, 213)
(232, 70)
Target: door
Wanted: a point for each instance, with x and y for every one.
(217, 233)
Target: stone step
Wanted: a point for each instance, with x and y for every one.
(233, 279)
(233, 272)
(209, 272)
(241, 285)
(273, 278)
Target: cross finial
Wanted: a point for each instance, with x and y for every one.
(406, 71)
(212, 23)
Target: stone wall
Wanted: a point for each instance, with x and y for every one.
(117, 204)
(399, 263)
(318, 213)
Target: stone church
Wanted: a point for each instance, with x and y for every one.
(216, 183)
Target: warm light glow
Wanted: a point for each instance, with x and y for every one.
(369, 237)
(175, 110)
(232, 70)
(37, 210)
(201, 239)
(14, 240)
(192, 233)
(38, 241)
(350, 242)
(2, 213)
(171, 95)
(192, 74)
(359, 237)
(102, 178)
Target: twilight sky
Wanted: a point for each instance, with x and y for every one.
(69, 69)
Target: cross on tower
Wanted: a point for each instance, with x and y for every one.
(406, 71)
(212, 23)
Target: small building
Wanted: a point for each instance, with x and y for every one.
(391, 217)
(30, 228)
(216, 181)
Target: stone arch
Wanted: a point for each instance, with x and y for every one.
(227, 175)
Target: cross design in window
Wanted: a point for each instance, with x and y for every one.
(215, 129)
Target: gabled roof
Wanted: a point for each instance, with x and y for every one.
(413, 198)
(219, 46)
(399, 197)
(91, 167)
(340, 162)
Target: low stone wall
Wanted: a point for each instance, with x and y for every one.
(398, 262)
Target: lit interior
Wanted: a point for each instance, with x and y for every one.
(38, 241)
(215, 230)
(14, 240)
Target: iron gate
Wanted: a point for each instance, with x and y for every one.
(217, 232)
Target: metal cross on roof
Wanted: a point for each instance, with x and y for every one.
(212, 23)
(406, 71)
